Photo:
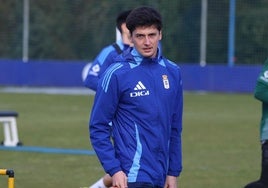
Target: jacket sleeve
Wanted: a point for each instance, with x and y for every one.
(99, 66)
(93, 74)
(261, 92)
(175, 153)
(105, 104)
(261, 88)
(91, 81)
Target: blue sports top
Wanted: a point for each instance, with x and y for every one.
(143, 99)
(104, 59)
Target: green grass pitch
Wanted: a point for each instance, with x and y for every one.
(220, 140)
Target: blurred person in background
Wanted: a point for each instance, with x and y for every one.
(261, 94)
(107, 55)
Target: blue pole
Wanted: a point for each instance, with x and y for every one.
(231, 47)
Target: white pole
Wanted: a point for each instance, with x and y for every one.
(231, 45)
(203, 34)
(25, 37)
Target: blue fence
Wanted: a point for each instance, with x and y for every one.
(220, 78)
(213, 78)
(41, 73)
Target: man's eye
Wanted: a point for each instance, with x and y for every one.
(139, 36)
(152, 35)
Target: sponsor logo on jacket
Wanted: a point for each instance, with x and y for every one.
(139, 90)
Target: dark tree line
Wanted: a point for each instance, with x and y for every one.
(78, 29)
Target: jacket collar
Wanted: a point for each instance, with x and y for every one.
(134, 58)
(140, 59)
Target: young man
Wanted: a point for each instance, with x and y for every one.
(106, 57)
(261, 93)
(142, 96)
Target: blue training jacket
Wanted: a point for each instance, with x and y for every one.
(143, 99)
(103, 60)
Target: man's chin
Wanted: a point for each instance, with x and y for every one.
(147, 54)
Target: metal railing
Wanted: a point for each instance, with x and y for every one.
(10, 174)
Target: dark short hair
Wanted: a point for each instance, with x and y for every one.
(144, 16)
(121, 18)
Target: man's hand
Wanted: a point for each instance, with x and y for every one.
(119, 180)
(171, 182)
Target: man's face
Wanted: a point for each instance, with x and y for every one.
(145, 40)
